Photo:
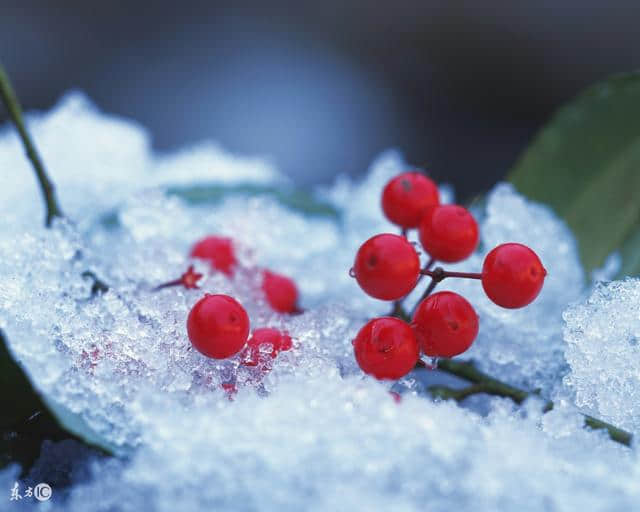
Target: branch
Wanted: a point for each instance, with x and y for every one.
(483, 383)
(438, 274)
(398, 310)
(52, 206)
(15, 114)
(427, 292)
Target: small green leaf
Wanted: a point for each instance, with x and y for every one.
(585, 164)
(298, 200)
(212, 193)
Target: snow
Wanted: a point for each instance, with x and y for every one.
(603, 350)
(312, 433)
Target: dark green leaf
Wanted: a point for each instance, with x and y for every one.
(28, 418)
(585, 163)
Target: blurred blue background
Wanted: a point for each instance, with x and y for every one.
(321, 88)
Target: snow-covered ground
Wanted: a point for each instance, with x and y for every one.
(313, 433)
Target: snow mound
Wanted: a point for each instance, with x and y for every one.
(603, 350)
(309, 432)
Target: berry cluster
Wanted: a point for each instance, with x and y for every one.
(387, 267)
(218, 325)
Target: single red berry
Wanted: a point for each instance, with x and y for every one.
(512, 275)
(218, 326)
(386, 348)
(448, 233)
(387, 267)
(218, 251)
(445, 324)
(280, 291)
(266, 336)
(407, 196)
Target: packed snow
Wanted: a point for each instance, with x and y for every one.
(603, 350)
(310, 432)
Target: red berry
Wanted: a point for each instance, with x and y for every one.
(445, 324)
(407, 196)
(387, 267)
(218, 326)
(448, 233)
(218, 251)
(278, 340)
(386, 348)
(280, 291)
(512, 275)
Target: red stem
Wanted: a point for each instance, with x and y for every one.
(175, 282)
(443, 274)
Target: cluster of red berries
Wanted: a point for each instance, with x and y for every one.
(218, 325)
(387, 267)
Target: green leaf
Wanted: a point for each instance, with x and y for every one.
(18, 399)
(298, 200)
(212, 193)
(585, 164)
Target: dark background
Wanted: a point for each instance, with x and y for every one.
(322, 87)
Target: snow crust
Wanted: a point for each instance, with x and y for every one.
(311, 433)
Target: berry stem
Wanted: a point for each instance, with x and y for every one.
(431, 286)
(483, 383)
(439, 274)
(398, 310)
(168, 284)
(426, 293)
(47, 188)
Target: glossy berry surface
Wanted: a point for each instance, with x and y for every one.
(387, 267)
(445, 324)
(265, 338)
(448, 233)
(218, 251)
(386, 348)
(512, 275)
(218, 326)
(280, 291)
(406, 197)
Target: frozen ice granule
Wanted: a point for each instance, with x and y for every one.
(602, 338)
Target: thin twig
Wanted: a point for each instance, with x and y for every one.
(15, 114)
(483, 383)
(426, 293)
(398, 309)
(439, 274)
